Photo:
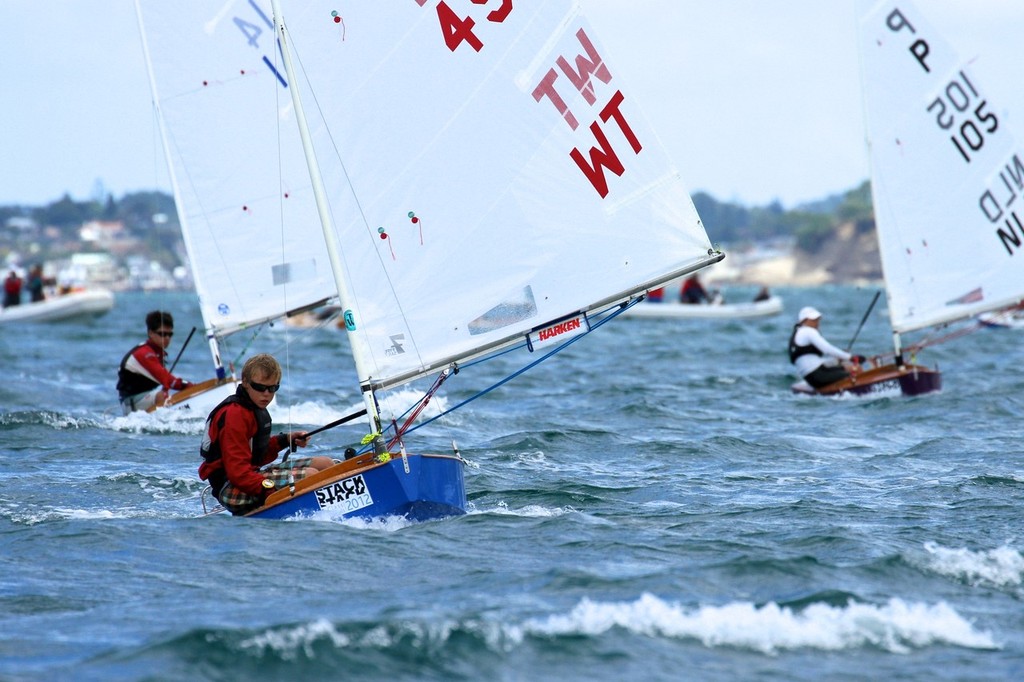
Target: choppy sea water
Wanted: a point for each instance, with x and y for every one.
(651, 504)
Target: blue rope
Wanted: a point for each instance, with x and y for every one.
(598, 323)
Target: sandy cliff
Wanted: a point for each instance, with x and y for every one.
(851, 257)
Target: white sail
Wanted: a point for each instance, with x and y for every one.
(487, 171)
(946, 174)
(237, 168)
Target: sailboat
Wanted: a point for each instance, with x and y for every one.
(482, 180)
(670, 306)
(1007, 318)
(234, 185)
(57, 307)
(946, 172)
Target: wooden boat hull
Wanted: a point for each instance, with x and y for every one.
(417, 487)
(909, 380)
(728, 311)
(200, 398)
(57, 308)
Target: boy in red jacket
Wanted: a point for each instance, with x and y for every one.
(142, 378)
(238, 444)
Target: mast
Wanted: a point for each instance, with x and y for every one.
(211, 339)
(333, 247)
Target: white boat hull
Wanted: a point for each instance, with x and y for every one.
(76, 304)
(674, 309)
(1003, 320)
(200, 398)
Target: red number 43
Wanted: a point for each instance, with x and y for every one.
(458, 30)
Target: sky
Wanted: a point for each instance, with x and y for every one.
(756, 100)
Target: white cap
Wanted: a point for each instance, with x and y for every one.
(808, 313)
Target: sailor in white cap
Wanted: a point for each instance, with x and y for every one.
(815, 358)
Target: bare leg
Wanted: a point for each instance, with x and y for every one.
(320, 463)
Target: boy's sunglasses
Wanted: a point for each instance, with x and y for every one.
(166, 335)
(263, 388)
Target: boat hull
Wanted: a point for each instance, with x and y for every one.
(908, 380)
(729, 311)
(57, 308)
(1002, 320)
(417, 487)
(200, 398)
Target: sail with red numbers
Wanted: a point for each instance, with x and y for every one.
(946, 176)
(482, 176)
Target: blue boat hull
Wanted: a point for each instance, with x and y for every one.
(417, 487)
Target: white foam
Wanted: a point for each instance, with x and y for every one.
(288, 642)
(1003, 566)
(392, 406)
(387, 524)
(897, 626)
(529, 511)
(158, 421)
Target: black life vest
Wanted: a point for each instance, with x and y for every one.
(210, 450)
(796, 351)
(132, 383)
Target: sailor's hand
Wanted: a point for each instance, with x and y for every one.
(299, 438)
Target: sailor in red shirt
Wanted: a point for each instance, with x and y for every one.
(693, 291)
(142, 379)
(237, 443)
(12, 290)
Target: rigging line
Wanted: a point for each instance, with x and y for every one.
(281, 216)
(595, 323)
(956, 334)
(934, 340)
(248, 343)
(604, 317)
(355, 198)
(529, 366)
(399, 431)
(281, 221)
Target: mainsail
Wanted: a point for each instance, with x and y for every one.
(475, 174)
(237, 169)
(946, 174)
(487, 173)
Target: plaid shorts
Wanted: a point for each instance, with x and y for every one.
(237, 502)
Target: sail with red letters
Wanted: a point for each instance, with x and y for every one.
(481, 175)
